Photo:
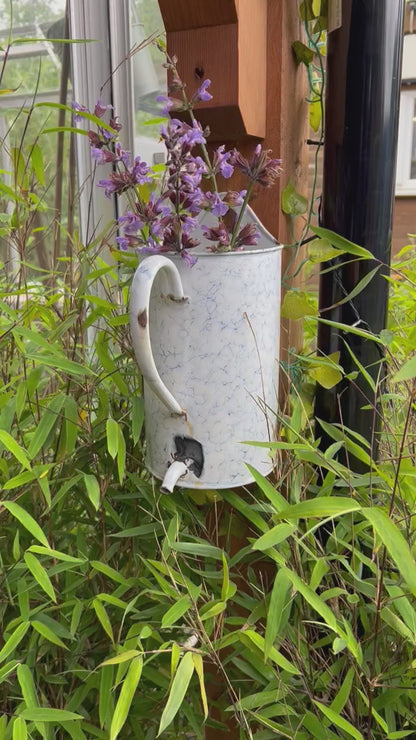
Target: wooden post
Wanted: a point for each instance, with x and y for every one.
(245, 48)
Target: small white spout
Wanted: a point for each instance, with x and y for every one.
(175, 471)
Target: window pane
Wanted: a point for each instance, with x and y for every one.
(149, 79)
(30, 73)
(413, 161)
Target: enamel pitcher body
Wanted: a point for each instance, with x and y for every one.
(206, 339)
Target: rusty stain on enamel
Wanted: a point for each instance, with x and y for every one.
(142, 319)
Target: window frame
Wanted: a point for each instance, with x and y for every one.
(406, 185)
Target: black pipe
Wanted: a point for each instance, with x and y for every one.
(362, 108)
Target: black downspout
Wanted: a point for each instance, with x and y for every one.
(362, 109)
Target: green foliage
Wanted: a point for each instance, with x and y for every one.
(123, 611)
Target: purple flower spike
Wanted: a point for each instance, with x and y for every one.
(201, 95)
(190, 261)
(168, 103)
(81, 109)
(217, 234)
(261, 168)
(215, 205)
(140, 171)
(100, 108)
(247, 236)
(221, 163)
(102, 156)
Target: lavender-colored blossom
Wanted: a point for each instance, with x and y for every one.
(234, 199)
(119, 182)
(115, 125)
(195, 134)
(221, 163)
(140, 171)
(78, 108)
(261, 168)
(217, 234)
(168, 220)
(102, 156)
(122, 154)
(189, 259)
(188, 225)
(95, 140)
(131, 223)
(247, 236)
(202, 95)
(123, 243)
(215, 205)
(167, 101)
(100, 108)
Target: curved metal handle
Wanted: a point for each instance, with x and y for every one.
(139, 322)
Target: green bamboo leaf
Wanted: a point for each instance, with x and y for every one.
(198, 549)
(342, 696)
(110, 572)
(59, 363)
(338, 721)
(322, 506)
(396, 624)
(93, 489)
(39, 550)
(126, 696)
(176, 611)
(10, 444)
(276, 499)
(225, 579)
(71, 426)
(103, 618)
(40, 575)
(50, 417)
(112, 437)
(121, 455)
(106, 702)
(248, 511)
(177, 693)
(19, 729)
(6, 670)
(122, 658)
(36, 158)
(19, 480)
(349, 329)
(45, 714)
(395, 543)
(341, 242)
(313, 600)
(361, 285)
(274, 654)
(212, 609)
(12, 642)
(277, 534)
(27, 685)
(26, 520)
(199, 667)
(47, 633)
(278, 602)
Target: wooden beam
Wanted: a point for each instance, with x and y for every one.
(181, 15)
(232, 53)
